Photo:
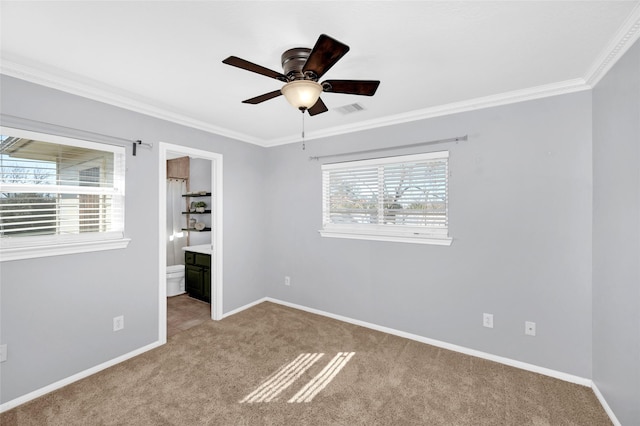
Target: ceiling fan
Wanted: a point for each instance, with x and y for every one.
(302, 69)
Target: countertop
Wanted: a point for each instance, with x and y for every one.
(203, 248)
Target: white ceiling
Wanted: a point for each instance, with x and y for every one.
(165, 58)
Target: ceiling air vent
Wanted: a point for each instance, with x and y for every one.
(349, 109)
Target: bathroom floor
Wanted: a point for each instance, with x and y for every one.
(184, 312)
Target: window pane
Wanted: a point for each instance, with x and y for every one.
(415, 194)
(403, 196)
(27, 161)
(28, 214)
(59, 189)
(353, 196)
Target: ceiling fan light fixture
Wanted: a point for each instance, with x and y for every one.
(302, 94)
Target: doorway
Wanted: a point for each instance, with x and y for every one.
(168, 151)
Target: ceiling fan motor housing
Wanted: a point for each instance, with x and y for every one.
(293, 61)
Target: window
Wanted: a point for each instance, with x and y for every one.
(401, 198)
(59, 195)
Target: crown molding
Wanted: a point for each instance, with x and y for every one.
(624, 38)
(100, 92)
(537, 92)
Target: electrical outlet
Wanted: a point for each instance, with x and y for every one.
(118, 323)
(287, 280)
(3, 353)
(487, 320)
(530, 328)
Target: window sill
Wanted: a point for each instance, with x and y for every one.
(414, 239)
(30, 252)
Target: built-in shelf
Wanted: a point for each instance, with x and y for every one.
(196, 230)
(206, 194)
(189, 213)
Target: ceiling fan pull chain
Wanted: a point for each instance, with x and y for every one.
(303, 147)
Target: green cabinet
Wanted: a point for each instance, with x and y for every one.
(197, 275)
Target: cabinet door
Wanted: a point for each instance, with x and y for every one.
(194, 279)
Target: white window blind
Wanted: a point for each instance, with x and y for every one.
(56, 190)
(401, 198)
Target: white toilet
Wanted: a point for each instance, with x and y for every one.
(175, 280)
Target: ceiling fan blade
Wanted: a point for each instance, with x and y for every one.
(263, 98)
(250, 66)
(318, 108)
(324, 55)
(351, 87)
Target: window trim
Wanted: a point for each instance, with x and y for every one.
(389, 233)
(45, 250)
(43, 246)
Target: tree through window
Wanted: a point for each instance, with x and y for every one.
(405, 197)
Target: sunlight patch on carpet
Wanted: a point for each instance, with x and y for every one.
(282, 379)
(323, 378)
(286, 375)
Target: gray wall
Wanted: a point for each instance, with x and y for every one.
(200, 180)
(56, 312)
(616, 237)
(520, 217)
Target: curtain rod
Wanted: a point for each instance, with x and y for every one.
(58, 130)
(367, 151)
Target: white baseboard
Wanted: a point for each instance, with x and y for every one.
(461, 349)
(456, 348)
(242, 308)
(88, 372)
(604, 404)
(74, 378)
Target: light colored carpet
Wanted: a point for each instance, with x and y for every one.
(253, 367)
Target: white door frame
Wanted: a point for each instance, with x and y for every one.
(216, 233)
